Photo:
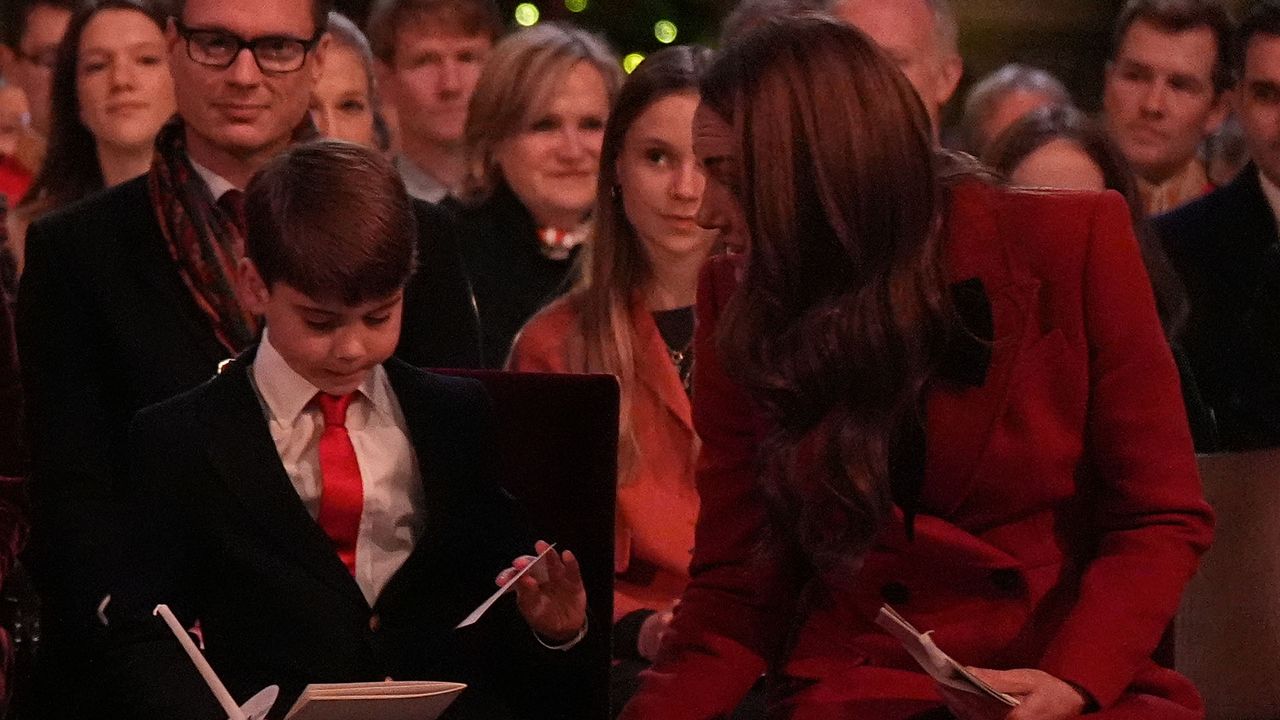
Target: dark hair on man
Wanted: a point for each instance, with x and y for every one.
(333, 221)
(320, 10)
(460, 17)
(1262, 17)
(748, 15)
(18, 14)
(1175, 16)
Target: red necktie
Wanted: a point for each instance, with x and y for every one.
(342, 493)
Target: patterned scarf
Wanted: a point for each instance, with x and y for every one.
(203, 239)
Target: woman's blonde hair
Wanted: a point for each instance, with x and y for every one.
(520, 76)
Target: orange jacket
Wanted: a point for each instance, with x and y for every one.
(657, 509)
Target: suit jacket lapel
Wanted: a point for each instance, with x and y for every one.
(962, 420)
(144, 241)
(243, 452)
(413, 391)
(654, 369)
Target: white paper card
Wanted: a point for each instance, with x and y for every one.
(503, 590)
(938, 664)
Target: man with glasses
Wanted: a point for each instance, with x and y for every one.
(130, 298)
(34, 30)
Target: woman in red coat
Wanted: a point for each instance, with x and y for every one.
(923, 389)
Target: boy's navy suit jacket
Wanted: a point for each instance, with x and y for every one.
(223, 537)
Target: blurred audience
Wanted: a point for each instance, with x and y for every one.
(1226, 153)
(344, 101)
(922, 38)
(430, 54)
(111, 94)
(630, 314)
(32, 40)
(1165, 93)
(1060, 147)
(533, 137)
(15, 118)
(1224, 245)
(998, 100)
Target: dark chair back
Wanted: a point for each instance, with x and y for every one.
(558, 440)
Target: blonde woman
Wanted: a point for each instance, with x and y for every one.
(533, 136)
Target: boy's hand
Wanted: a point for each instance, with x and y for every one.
(554, 602)
(1043, 697)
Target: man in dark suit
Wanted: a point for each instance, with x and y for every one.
(1227, 249)
(126, 297)
(250, 524)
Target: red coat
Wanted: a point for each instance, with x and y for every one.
(1061, 513)
(653, 537)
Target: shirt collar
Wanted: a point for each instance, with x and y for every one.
(286, 393)
(418, 182)
(1272, 193)
(218, 185)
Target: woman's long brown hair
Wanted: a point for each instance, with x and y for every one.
(843, 307)
(613, 265)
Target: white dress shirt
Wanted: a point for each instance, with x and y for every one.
(218, 185)
(392, 519)
(1271, 193)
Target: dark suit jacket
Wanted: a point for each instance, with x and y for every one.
(226, 540)
(1225, 246)
(1060, 516)
(511, 277)
(105, 328)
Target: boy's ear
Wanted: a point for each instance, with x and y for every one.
(254, 293)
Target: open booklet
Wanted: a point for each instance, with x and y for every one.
(388, 700)
(938, 664)
(401, 700)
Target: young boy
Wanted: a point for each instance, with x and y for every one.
(325, 512)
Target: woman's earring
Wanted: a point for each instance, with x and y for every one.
(616, 192)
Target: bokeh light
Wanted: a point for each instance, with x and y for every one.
(575, 5)
(527, 14)
(632, 61)
(665, 31)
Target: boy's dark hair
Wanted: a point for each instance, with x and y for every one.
(333, 221)
(1262, 18)
(319, 10)
(1175, 16)
(16, 16)
(461, 17)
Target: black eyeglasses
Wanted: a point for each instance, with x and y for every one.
(272, 53)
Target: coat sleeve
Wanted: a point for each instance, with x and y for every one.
(72, 466)
(1152, 519)
(728, 623)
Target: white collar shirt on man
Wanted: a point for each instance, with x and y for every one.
(218, 185)
(1272, 193)
(418, 182)
(393, 516)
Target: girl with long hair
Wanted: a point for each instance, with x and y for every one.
(921, 388)
(630, 314)
(111, 94)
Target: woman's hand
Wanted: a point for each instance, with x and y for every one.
(1043, 697)
(551, 597)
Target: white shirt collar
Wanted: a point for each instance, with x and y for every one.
(218, 185)
(1272, 193)
(418, 182)
(286, 393)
